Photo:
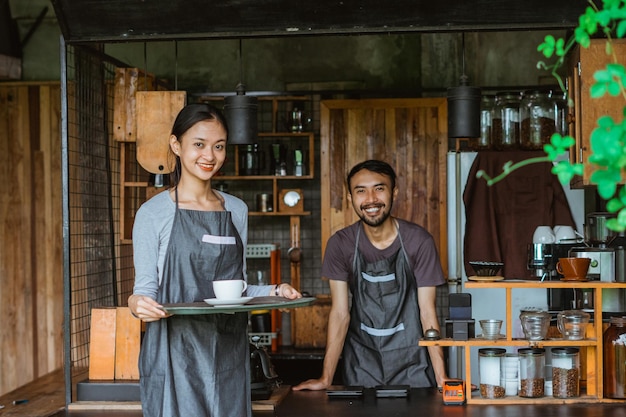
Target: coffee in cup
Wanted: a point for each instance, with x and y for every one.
(573, 269)
(229, 289)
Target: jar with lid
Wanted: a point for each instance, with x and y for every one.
(486, 115)
(505, 123)
(614, 354)
(536, 119)
(565, 372)
(561, 111)
(531, 372)
(490, 368)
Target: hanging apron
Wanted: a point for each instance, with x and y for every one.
(197, 365)
(381, 346)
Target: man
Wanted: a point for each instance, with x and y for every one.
(391, 268)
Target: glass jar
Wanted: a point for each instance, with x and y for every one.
(535, 324)
(505, 123)
(532, 362)
(565, 372)
(561, 112)
(536, 119)
(486, 115)
(490, 367)
(614, 353)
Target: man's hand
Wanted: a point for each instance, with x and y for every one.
(311, 384)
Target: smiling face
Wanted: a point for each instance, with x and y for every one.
(201, 149)
(371, 196)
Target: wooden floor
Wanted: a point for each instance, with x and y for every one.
(44, 397)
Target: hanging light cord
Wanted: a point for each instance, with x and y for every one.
(175, 65)
(464, 78)
(240, 61)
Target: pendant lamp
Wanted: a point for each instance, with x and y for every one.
(464, 107)
(240, 111)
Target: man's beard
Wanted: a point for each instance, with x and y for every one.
(375, 222)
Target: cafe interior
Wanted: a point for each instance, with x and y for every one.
(89, 91)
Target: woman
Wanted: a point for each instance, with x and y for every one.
(183, 239)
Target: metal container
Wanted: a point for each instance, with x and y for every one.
(264, 203)
(596, 231)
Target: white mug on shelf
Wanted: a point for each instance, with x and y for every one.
(564, 233)
(544, 234)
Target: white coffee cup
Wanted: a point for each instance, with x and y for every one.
(544, 234)
(229, 289)
(562, 232)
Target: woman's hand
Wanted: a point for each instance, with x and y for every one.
(287, 291)
(146, 309)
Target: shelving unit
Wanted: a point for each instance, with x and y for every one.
(592, 343)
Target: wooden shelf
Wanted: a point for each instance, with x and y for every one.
(592, 344)
(509, 342)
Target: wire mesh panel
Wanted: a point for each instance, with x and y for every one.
(99, 268)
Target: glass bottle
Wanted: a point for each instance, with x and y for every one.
(490, 369)
(505, 123)
(486, 115)
(614, 354)
(249, 162)
(565, 372)
(536, 119)
(532, 362)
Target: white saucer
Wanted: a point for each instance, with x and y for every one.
(227, 303)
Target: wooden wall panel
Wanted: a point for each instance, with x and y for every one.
(411, 135)
(31, 277)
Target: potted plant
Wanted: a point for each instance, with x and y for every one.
(608, 139)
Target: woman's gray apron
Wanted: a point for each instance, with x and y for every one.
(197, 365)
(381, 346)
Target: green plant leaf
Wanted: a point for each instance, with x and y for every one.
(620, 31)
(613, 205)
(606, 180)
(548, 47)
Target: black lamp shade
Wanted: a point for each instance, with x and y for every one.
(241, 114)
(464, 112)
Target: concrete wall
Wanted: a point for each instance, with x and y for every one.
(405, 64)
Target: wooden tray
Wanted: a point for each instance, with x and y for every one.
(257, 303)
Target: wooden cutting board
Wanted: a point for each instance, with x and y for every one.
(156, 112)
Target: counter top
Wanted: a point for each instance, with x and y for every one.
(428, 402)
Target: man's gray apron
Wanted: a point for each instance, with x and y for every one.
(381, 346)
(197, 365)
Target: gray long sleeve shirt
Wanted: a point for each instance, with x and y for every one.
(151, 235)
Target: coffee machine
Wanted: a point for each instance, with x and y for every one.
(599, 239)
(542, 258)
(605, 248)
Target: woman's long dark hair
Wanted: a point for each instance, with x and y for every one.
(186, 119)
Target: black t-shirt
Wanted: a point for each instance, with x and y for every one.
(418, 243)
